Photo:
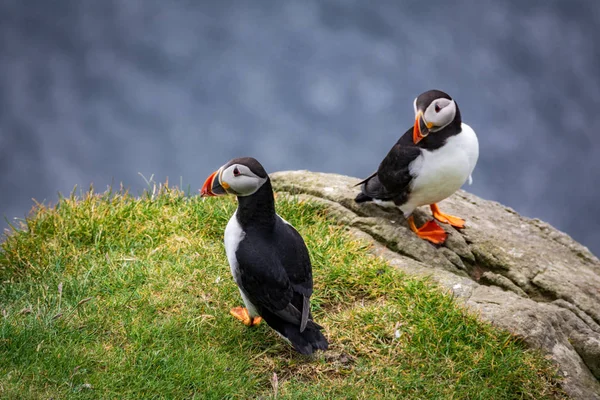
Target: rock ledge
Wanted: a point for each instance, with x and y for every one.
(521, 274)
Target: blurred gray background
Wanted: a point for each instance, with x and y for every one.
(99, 91)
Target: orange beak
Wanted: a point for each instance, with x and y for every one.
(421, 128)
(211, 186)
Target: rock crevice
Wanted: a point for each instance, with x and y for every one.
(521, 274)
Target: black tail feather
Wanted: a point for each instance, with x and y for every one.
(361, 198)
(371, 189)
(305, 342)
(366, 179)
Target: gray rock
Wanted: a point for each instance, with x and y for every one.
(520, 274)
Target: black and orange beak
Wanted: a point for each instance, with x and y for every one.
(212, 186)
(421, 128)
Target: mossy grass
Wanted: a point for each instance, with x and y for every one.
(115, 296)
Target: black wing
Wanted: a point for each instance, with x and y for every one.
(294, 257)
(393, 178)
(276, 275)
(296, 262)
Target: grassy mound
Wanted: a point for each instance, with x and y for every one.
(111, 296)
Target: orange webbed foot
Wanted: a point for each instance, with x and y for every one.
(242, 314)
(446, 218)
(430, 231)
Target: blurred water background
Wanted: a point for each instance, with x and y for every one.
(102, 91)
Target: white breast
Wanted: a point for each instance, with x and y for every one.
(440, 173)
(234, 234)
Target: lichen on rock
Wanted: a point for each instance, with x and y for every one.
(521, 274)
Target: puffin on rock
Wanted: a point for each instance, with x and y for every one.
(268, 258)
(430, 162)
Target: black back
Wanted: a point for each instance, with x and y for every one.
(275, 270)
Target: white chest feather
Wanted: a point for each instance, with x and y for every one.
(233, 236)
(440, 173)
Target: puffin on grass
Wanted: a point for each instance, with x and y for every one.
(430, 162)
(268, 258)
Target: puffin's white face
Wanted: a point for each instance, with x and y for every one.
(432, 115)
(232, 178)
(439, 114)
(237, 179)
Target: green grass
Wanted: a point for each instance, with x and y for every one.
(142, 312)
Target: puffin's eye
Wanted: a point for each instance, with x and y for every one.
(236, 171)
(437, 108)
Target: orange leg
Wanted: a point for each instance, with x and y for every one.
(241, 313)
(429, 231)
(449, 219)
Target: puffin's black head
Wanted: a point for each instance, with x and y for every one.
(240, 177)
(434, 110)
